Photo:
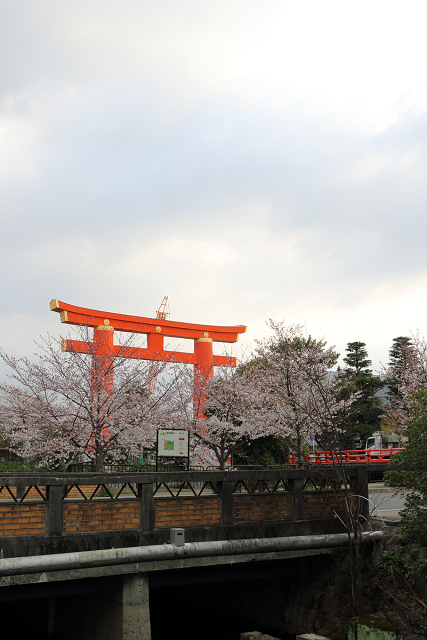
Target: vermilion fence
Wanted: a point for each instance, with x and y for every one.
(359, 456)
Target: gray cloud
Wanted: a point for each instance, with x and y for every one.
(136, 163)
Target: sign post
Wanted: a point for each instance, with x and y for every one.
(173, 443)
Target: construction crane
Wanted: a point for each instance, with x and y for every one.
(162, 313)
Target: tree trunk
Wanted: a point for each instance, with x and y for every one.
(300, 457)
(222, 458)
(99, 457)
(359, 593)
(352, 578)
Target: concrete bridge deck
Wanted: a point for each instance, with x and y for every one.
(68, 513)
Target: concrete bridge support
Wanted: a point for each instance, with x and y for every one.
(136, 607)
(118, 611)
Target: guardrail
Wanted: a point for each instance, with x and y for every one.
(356, 456)
(82, 467)
(348, 457)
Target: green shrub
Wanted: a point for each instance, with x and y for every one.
(408, 469)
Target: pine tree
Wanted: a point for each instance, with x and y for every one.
(398, 363)
(363, 417)
(357, 359)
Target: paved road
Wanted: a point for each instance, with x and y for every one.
(385, 502)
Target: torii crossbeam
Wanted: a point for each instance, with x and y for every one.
(105, 323)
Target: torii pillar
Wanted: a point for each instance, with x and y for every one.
(105, 323)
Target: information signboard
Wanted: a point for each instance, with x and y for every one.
(172, 443)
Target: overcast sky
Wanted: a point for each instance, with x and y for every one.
(247, 158)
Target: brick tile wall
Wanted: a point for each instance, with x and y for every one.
(262, 507)
(322, 504)
(100, 516)
(22, 519)
(28, 518)
(180, 512)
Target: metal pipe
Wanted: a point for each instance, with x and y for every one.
(106, 557)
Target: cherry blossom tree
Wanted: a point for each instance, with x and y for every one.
(61, 404)
(228, 411)
(405, 374)
(304, 396)
(307, 397)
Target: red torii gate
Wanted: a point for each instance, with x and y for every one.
(105, 323)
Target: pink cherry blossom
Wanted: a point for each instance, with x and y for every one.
(56, 408)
